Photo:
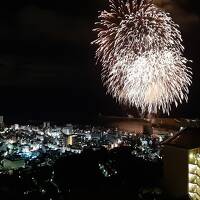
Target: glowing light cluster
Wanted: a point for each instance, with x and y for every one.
(140, 49)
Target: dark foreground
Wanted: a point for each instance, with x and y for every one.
(101, 174)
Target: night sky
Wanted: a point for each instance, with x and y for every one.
(47, 65)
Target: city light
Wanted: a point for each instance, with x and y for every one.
(30, 143)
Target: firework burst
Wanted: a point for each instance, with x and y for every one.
(141, 51)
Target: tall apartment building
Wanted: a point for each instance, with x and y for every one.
(181, 155)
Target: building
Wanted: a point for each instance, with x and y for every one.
(181, 155)
(12, 165)
(16, 126)
(46, 124)
(1, 122)
(68, 140)
(68, 129)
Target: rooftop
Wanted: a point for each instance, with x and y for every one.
(188, 138)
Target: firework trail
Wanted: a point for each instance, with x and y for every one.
(141, 51)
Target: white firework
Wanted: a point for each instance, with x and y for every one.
(140, 49)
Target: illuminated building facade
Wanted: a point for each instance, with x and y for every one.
(194, 174)
(69, 140)
(181, 156)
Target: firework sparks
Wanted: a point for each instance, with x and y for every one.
(141, 51)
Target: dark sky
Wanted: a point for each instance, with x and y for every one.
(47, 65)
